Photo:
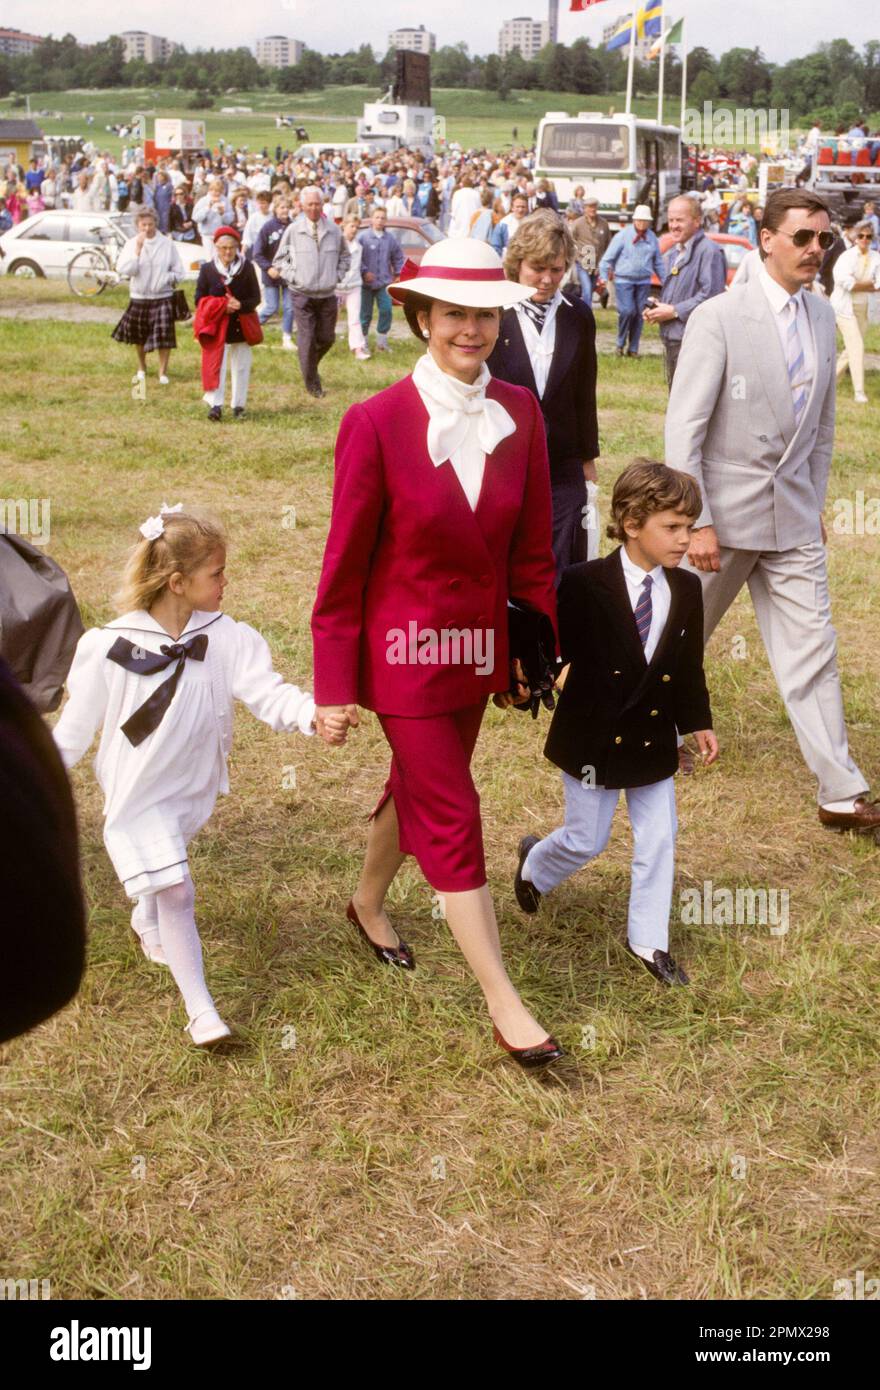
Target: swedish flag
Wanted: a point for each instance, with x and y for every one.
(648, 22)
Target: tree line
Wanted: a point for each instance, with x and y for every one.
(833, 83)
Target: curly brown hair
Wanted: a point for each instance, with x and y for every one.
(541, 237)
(645, 487)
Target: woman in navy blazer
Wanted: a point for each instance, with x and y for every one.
(441, 512)
(548, 344)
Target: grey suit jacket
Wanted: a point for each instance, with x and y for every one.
(730, 422)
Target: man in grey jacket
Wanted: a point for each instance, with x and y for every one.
(751, 417)
(313, 257)
(695, 271)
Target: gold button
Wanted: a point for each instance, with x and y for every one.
(616, 673)
(667, 678)
(618, 739)
(647, 743)
(654, 713)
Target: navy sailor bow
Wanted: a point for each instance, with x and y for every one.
(141, 662)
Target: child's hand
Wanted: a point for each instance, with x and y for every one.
(708, 746)
(333, 722)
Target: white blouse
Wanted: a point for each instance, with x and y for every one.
(464, 424)
(540, 346)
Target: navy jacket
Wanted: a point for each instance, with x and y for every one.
(617, 715)
(569, 401)
(243, 286)
(265, 246)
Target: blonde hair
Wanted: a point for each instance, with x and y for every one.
(541, 237)
(187, 542)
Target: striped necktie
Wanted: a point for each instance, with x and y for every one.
(644, 609)
(794, 359)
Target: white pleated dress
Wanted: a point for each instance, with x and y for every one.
(160, 793)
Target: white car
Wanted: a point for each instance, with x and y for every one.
(46, 243)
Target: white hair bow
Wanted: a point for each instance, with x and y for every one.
(154, 526)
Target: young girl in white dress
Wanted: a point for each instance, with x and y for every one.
(161, 681)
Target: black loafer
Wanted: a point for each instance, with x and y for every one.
(527, 894)
(215, 414)
(238, 412)
(662, 967)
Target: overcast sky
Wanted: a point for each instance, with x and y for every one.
(795, 26)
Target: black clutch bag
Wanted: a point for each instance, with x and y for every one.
(532, 643)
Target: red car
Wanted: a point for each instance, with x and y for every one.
(734, 248)
(415, 234)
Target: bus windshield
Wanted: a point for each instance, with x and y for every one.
(583, 147)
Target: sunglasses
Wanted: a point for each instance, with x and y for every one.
(804, 235)
(863, 236)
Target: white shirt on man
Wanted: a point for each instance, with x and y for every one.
(777, 298)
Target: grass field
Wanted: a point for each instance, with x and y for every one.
(474, 118)
(714, 1142)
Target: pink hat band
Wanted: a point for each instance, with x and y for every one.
(449, 272)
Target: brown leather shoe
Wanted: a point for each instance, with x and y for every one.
(685, 760)
(865, 816)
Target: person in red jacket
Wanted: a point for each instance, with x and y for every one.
(441, 512)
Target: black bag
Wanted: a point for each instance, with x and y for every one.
(181, 309)
(39, 620)
(533, 643)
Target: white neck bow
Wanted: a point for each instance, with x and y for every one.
(454, 408)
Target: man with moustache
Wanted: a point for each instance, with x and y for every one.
(751, 418)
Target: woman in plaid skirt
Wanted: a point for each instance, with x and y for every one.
(152, 263)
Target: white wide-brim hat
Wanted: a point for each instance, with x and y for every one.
(461, 270)
(643, 213)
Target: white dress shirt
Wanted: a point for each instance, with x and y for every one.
(777, 298)
(464, 425)
(540, 345)
(661, 598)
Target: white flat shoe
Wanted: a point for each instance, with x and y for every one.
(164, 381)
(208, 1028)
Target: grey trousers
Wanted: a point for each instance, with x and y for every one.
(315, 332)
(789, 590)
(670, 359)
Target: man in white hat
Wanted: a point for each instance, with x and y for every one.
(632, 258)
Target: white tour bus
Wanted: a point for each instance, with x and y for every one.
(621, 160)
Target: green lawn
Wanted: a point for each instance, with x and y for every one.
(715, 1142)
(474, 118)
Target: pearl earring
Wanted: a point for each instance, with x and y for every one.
(425, 333)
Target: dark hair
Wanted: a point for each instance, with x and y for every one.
(414, 304)
(781, 202)
(645, 487)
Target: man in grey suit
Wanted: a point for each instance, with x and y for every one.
(751, 417)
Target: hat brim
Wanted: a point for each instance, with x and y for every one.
(492, 294)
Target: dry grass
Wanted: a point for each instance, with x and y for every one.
(394, 1152)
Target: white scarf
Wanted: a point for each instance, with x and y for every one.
(228, 273)
(464, 424)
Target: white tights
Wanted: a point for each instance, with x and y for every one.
(167, 919)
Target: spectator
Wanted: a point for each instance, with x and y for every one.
(274, 290)
(162, 196)
(856, 276)
(506, 228)
(695, 270)
(382, 261)
(152, 263)
(228, 275)
(180, 217)
(592, 236)
(633, 256)
(313, 257)
(350, 290)
(211, 211)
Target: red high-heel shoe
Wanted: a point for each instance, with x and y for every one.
(530, 1057)
(400, 955)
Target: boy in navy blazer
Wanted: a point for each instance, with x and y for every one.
(631, 627)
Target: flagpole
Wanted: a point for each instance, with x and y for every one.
(632, 54)
(660, 88)
(684, 69)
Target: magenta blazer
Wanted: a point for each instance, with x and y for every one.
(404, 546)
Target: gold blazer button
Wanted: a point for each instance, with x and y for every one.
(618, 739)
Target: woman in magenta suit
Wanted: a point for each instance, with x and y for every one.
(441, 511)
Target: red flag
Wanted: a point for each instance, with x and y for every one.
(582, 4)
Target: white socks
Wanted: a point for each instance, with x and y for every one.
(146, 923)
(847, 806)
(179, 939)
(645, 952)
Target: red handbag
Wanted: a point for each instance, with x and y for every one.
(251, 328)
